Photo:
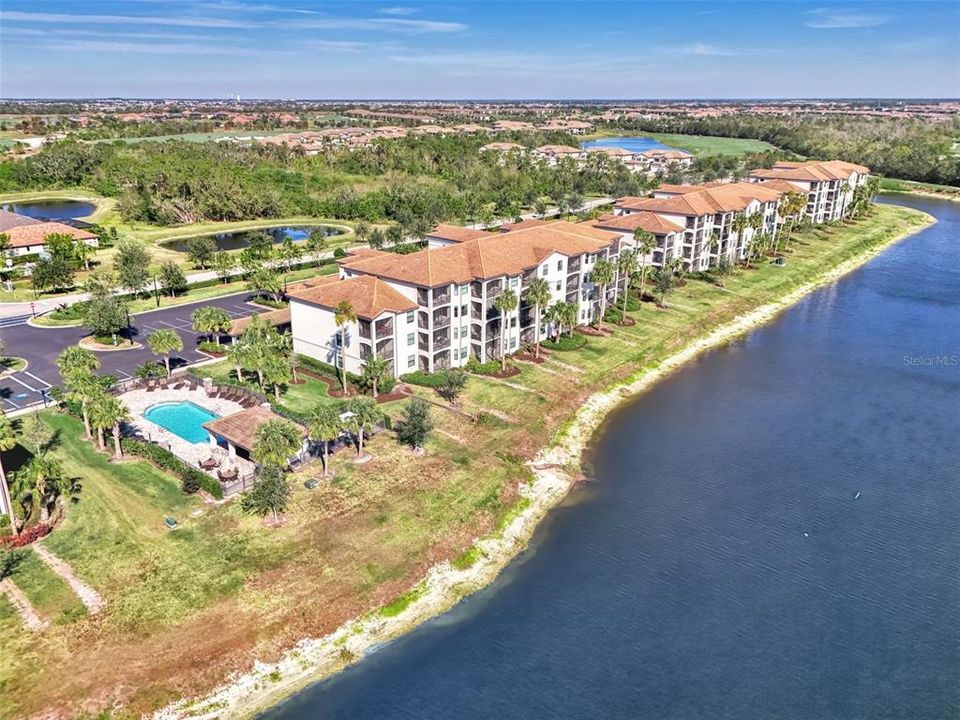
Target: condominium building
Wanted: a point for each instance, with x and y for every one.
(828, 184)
(434, 308)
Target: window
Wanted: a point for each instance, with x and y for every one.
(411, 361)
(410, 316)
(513, 343)
(456, 333)
(544, 270)
(411, 338)
(559, 283)
(559, 264)
(514, 282)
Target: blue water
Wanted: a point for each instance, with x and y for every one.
(721, 566)
(240, 240)
(633, 143)
(52, 209)
(182, 418)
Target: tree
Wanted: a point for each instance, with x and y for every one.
(416, 424)
(275, 371)
(324, 426)
(343, 315)
(375, 371)
(452, 385)
(212, 321)
(317, 241)
(35, 434)
(275, 442)
(363, 414)
(627, 268)
(131, 265)
(224, 264)
(172, 279)
(108, 411)
(538, 295)
(377, 239)
(8, 441)
(83, 252)
(290, 253)
(663, 282)
(269, 495)
(574, 202)
(505, 302)
(265, 280)
(395, 234)
(164, 342)
(362, 230)
(201, 250)
(239, 353)
(39, 484)
(540, 207)
(51, 273)
(105, 313)
(77, 366)
(646, 242)
(602, 276)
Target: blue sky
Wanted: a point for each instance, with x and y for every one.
(478, 49)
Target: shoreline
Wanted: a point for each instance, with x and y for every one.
(316, 659)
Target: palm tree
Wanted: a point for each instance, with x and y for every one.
(275, 442)
(538, 295)
(41, 480)
(627, 267)
(8, 441)
(602, 276)
(77, 366)
(506, 302)
(554, 316)
(163, 342)
(343, 315)
(211, 321)
(324, 425)
(375, 370)
(646, 242)
(363, 414)
(108, 411)
(739, 224)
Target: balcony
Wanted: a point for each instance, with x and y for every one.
(441, 318)
(423, 297)
(441, 361)
(364, 328)
(384, 327)
(423, 320)
(476, 310)
(441, 340)
(573, 265)
(494, 287)
(441, 296)
(385, 348)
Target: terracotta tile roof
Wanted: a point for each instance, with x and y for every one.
(274, 317)
(781, 185)
(503, 146)
(241, 428)
(522, 225)
(811, 170)
(728, 197)
(507, 253)
(455, 233)
(666, 154)
(614, 152)
(11, 220)
(35, 233)
(369, 295)
(651, 222)
(558, 150)
(362, 253)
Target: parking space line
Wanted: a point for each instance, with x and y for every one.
(18, 380)
(164, 322)
(15, 406)
(41, 380)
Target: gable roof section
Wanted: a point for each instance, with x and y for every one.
(810, 170)
(704, 200)
(651, 222)
(35, 233)
(455, 233)
(11, 220)
(369, 296)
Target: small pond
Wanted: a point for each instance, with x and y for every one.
(240, 240)
(51, 209)
(633, 143)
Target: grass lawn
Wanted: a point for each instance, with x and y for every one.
(704, 145)
(894, 185)
(300, 398)
(187, 607)
(49, 594)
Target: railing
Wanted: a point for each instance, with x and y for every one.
(423, 320)
(441, 297)
(441, 341)
(423, 297)
(385, 327)
(385, 349)
(441, 318)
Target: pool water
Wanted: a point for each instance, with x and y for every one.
(183, 419)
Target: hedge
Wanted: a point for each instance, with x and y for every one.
(567, 342)
(491, 367)
(424, 379)
(613, 315)
(325, 369)
(191, 479)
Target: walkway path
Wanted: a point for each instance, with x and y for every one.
(23, 606)
(88, 596)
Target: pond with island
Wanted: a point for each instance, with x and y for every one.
(238, 240)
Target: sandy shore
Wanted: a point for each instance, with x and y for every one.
(444, 586)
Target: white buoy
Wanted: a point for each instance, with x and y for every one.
(858, 495)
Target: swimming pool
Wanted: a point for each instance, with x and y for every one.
(183, 419)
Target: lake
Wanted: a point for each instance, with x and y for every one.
(52, 209)
(240, 240)
(634, 144)
(772, 532)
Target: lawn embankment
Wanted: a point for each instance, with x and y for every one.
(706, 145)
(893, 185)
(185, 608)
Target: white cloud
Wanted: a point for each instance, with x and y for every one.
(843, 19)
(398, 10)
(120, 19)
(704, 49)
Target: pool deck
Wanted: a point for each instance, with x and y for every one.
(139, 401)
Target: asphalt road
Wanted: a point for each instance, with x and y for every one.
(40, 347)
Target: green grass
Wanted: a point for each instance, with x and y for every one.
(50, 595)
(403, 602)
(703, 145)
(300, 398)
(895, 185)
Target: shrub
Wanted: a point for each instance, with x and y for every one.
(566, 342)
(613, 315)
(491, 367)
(424, 379)
(191, 479)
(325, 369)
(32, 533)
(633, 303)
(339, 253)
(210, 346)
